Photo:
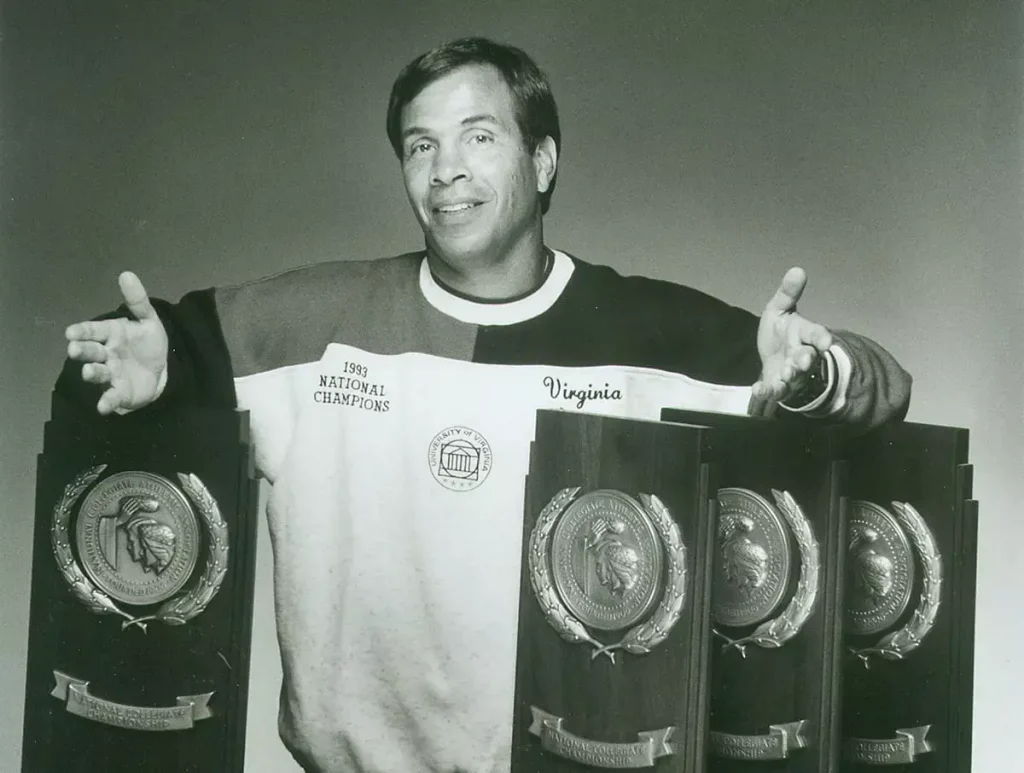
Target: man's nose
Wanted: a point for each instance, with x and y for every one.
(449, 166)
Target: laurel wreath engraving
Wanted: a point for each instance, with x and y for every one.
(640, 639)
(175, 611)
(772, 634)
(896, 645)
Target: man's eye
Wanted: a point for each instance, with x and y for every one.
(419, 147)
(482, 138)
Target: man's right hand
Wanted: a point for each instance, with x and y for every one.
(128, 355)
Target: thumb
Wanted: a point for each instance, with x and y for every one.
(135, 297)
(789, 292)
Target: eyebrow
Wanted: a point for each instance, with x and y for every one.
(480, 118)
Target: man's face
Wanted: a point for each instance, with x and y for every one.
(470, 179)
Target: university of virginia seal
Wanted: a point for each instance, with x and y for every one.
(137, 542)
(598, 562)
(459, 458)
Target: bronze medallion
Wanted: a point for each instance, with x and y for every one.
(137, 537)
(606, 558)
(754, 559)
(880, 570)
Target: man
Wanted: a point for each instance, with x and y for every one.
(393, 401)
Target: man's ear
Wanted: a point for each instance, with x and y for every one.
(545, 163)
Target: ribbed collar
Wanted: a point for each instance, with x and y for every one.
(508, 312)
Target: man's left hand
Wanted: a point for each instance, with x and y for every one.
(789, 344)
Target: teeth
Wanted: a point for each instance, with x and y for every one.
(456, 207)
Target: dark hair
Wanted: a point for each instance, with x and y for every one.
(536, 112)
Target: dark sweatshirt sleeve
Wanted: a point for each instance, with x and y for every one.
(199, 373)
(879, 388)
(712, 341)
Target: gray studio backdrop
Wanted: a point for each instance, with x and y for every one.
(875, 143)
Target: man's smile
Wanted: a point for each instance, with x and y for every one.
(455, 211)
(446, 208)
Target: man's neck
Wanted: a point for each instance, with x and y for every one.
(495, 280)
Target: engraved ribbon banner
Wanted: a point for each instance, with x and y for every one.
(908, 743)
(189, 709)
(602, 754)
(776, 745)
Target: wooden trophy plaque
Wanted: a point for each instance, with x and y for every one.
(776, 596)
(614, 626)
(910, 600)
(141, 603)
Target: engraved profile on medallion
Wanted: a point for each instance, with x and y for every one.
(754, 564)
(872, 573)
(880, 569)
(882, 575)
(744, 562)
(608, 562)
(137, 537)
(137, 541)
(151, 544)
(616, 564)
(606, 558)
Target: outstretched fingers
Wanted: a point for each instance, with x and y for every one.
(109, 402)
(798, 361)
(98, 331)
(95, 373)
(114, 398)
(87, 351)
(769, 390)
(803, 332)
(789, 292)
(135, 297)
